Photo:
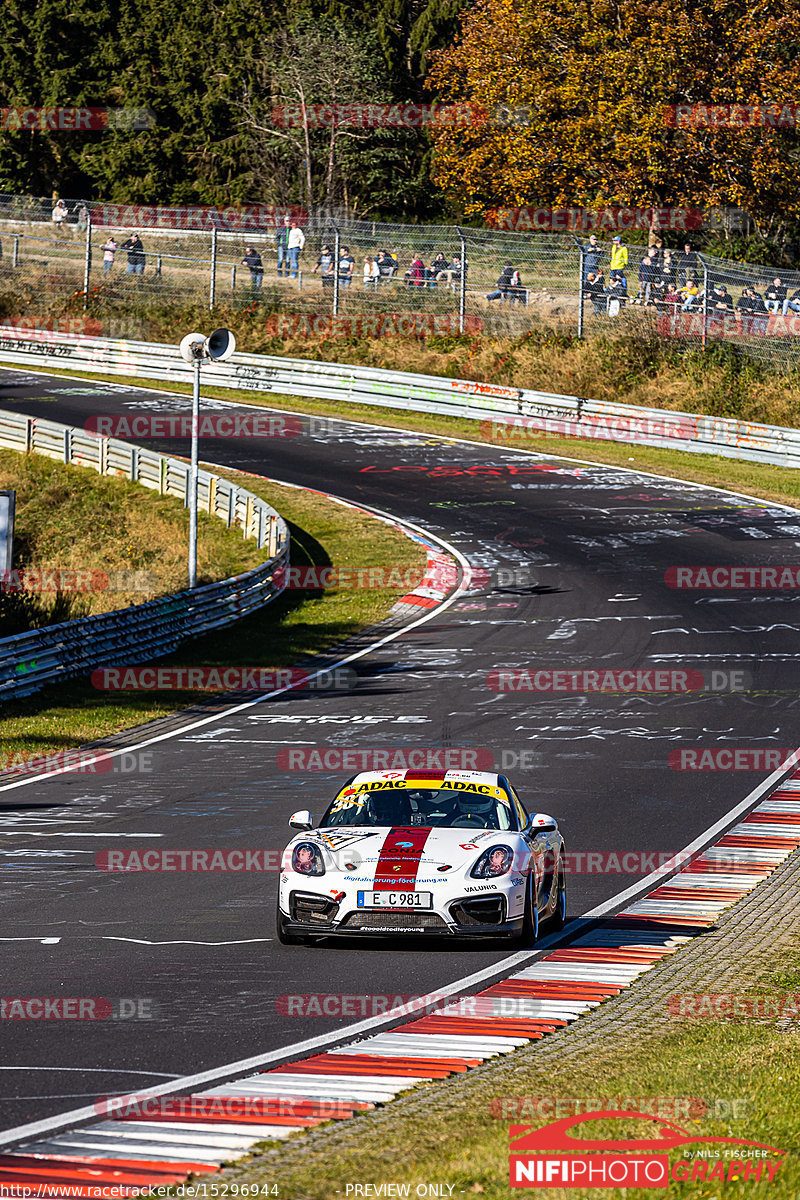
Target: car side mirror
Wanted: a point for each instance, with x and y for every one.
(540, 823)
(301, 820)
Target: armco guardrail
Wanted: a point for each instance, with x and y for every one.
(569, 416)
(149, 630)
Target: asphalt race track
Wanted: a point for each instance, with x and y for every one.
(575, 558)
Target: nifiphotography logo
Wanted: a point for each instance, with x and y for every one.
(584, 1162)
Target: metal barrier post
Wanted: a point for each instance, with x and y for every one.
(233, 279)
(87, 263)
(15, 251)
(337, 237)
(213, 289)
(462, 287)
(193, 476)
(579, 247)
(299, 280)
(158, 266)
(704, 340)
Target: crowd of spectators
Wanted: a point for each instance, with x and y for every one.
(671, 281)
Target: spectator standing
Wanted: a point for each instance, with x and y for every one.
(252, 259)
(346, 267)
(282, 243)
(83, 217)
(688, 263)
(136, 255)
(775, 296)
(59, 215)
(324, 265)
(647, 270)
(668, 269)
(297, 240)
(592, 253)
(371, 274)
(109, 251)
(619, 260)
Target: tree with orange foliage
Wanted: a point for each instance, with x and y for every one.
(603, 81)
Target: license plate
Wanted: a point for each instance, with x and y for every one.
(395, 899)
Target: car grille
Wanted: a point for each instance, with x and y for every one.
(394, 920)
(488, 910)
(312, 910)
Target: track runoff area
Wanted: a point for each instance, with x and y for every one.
(573, 577)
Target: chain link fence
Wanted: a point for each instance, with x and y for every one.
(360, 278)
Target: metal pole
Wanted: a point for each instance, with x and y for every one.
(193, 477)
(580, 287)
(15, 251)
(213, 289)
(462, 288)
(158, 266)
(233, 279)
(87, 263)
(704, 342)
(336, 247)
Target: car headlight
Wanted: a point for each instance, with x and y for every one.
(497, 860)
(307, 860)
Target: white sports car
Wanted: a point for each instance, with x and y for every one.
(438, 852)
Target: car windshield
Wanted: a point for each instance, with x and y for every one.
(445, 807)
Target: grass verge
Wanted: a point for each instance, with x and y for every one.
(746, 1071)
(129, 542)
(294, 626)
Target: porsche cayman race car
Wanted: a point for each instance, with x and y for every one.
(423, 852)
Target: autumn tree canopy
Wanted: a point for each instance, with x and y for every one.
(598, 77)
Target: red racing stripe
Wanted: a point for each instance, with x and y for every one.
(398, 862)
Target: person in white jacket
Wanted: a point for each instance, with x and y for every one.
(297, 240)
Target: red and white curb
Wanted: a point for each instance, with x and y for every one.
(440, 578)
(156, 1145)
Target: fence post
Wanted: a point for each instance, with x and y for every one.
(87, 263)
(213, 289)
(579, 247)
(158, 266)
(15, 251)
(233, 279)
(462, 287)
(337, 238)
(704, 341)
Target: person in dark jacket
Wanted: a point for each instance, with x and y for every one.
(688, 264)
(252, 259)
(775, 296)
(503, 283)
(592, 253)
(594, 289)
(136, 255)
(647, 271)
(282, 244)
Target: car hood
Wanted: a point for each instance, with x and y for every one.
(406, 854)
